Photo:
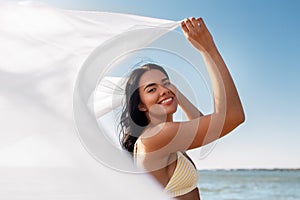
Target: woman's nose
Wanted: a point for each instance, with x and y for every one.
(164, 90)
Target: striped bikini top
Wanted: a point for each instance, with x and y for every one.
(184, 178)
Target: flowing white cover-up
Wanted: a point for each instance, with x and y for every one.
(42, 50)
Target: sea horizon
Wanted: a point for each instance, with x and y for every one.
(251, 169)
(199, 169)
(251, 183)
(214, 184)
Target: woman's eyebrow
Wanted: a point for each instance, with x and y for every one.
(153, 84)
(165, 79)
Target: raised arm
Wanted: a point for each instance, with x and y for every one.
(226, 98)
(228, 111)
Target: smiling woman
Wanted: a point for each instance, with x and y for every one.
(147, 127)
(138, 89)
(152, 84)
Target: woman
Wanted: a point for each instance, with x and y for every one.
(158, 143)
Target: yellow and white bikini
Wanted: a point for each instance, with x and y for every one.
(184, 178)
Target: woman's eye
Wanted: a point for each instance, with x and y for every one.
(151, 90)
(167, 83)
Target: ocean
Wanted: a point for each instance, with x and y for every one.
(26, 183)
(249, 184)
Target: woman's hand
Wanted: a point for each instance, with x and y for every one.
(173, 89)
(176, 92)
(197, 34)
(188, 108)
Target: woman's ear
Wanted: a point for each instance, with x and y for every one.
(142, 107)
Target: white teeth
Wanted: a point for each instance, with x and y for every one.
(167, 100)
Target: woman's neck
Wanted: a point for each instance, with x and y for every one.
(154, 121)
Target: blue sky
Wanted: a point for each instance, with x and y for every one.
(260, 43)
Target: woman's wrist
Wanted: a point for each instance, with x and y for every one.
(209, 50)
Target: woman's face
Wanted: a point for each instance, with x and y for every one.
(157, 94)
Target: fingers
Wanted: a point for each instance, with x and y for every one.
(184, 27)
(197, 23)
(192, 24)
(197, 34)
(173, 89)
(189, 24)
(201, 23)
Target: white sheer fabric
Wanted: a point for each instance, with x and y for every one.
(42, 50)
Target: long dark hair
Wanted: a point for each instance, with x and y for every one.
(133, 121)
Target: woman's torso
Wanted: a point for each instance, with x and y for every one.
(174, 172)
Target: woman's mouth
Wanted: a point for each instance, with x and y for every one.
(166, 101)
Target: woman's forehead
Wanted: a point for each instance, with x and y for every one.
(152, 76)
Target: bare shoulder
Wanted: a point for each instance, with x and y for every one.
(157, 137)
(170, 137)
